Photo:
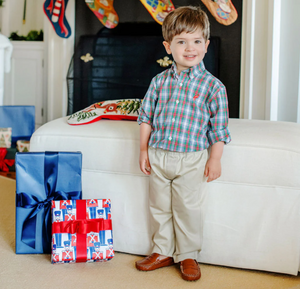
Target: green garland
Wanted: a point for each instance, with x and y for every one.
(33, 35)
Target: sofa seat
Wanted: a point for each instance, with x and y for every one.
(251, 214)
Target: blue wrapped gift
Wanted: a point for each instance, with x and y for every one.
(42, 177)
(21, 118)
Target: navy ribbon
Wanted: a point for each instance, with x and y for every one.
(30, 201)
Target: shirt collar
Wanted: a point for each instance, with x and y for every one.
(192, 72)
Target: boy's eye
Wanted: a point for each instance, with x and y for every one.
(198, 41)
(180, 42)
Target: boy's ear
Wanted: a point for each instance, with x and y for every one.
(167, 47)
(206, 45)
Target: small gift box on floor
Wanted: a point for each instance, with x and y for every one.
(5, 137)
(42, 177)
(81, 231)
(23, 146)
(21, 118)
(7, 159)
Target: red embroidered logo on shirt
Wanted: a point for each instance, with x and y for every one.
(196, 96)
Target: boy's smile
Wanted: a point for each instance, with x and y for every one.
(187, 49)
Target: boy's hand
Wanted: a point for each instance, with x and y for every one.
(212, 169)
(144, 163)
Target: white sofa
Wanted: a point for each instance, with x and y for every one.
(251, 213)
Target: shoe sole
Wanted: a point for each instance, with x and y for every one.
(188, 278)
(159, 266)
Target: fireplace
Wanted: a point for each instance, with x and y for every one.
(119, 64)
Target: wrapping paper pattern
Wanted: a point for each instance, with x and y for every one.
(23, 146)
(81, 231)
(5, 137)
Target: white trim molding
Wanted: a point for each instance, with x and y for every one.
(247, 55)
(298, 100)
(59, 53)
(259, 91)
(272, 89)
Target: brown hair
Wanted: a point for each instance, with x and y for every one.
(185, 19)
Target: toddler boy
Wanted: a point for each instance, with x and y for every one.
(184, 112)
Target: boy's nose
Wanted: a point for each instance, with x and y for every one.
(189, 47)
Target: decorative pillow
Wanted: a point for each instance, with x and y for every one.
(110, 109)
(5, 137)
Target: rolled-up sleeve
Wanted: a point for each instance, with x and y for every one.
(148, 104)
(218, 123)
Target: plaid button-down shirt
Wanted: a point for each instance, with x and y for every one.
(188, 112)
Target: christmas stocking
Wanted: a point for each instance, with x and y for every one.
(158, 9)
(55, 11)
(104, 11)
(223, 10)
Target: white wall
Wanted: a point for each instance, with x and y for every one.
(260, 57)
(289, 60)
(12, 14)
(270, 86)
(58, 51)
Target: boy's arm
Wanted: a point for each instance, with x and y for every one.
(213, 165)
(218, 133)
(145, 130)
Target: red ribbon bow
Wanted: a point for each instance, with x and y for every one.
(81, 226)
(3, 162)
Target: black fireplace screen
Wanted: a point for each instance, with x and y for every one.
(117, 65)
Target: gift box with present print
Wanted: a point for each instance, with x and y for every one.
(23, 146)
(42, 177)
(7, 159)
(5, 137)
(81, 231)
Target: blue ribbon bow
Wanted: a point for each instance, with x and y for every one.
(30, 201)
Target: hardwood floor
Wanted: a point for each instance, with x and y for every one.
(11, 175)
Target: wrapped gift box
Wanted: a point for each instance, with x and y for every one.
(7, 159)
(23, 146)
(5, 137)
(81, 231)
(21, 118)
(42, 177)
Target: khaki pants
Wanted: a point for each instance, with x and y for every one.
(177, 187)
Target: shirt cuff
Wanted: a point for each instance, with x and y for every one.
(219, 135)
(143, 119)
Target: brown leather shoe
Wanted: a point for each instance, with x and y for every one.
(154, 261)
(190, 270)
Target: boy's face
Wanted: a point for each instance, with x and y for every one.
(187, 49)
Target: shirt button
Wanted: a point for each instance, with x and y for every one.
(180, 84)
(173, 119)
(177, 101)
(170, 138)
